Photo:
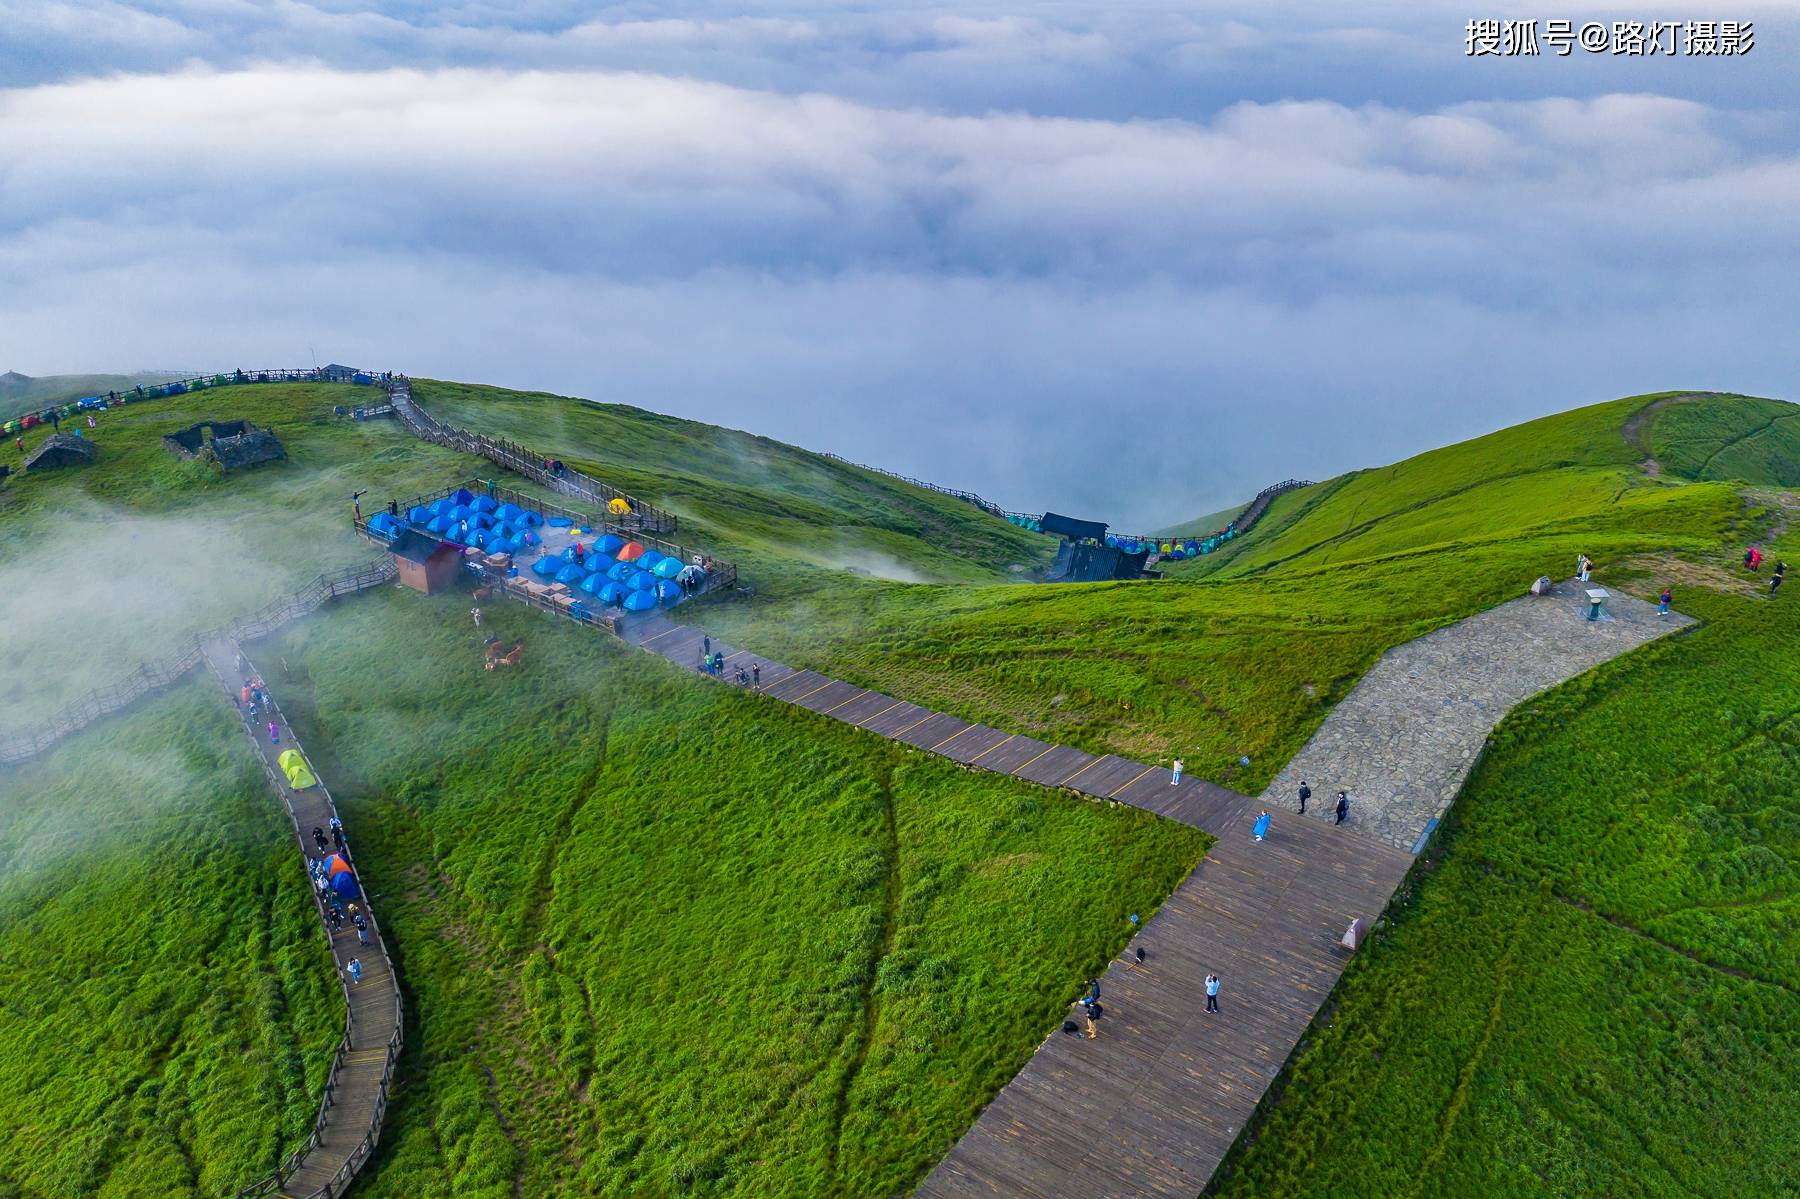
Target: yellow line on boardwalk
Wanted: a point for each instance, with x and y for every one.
(1134, 778)
(814, 691)
(915, 724)
(1034, 757)
(1082, 771)
(860, 693)
(876, 716)
(990, 749)
(674, 628)
(953, 736)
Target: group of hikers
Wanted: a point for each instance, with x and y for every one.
(335, 913)
(713, 662)
(1753, 560)
(257, 703)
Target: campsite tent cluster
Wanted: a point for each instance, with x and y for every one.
(1176, 548)
(611, 569)
(333, 374)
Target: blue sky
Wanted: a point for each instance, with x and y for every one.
(1130, 260)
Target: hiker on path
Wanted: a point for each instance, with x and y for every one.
(476, 613)
(337, 834)
(319, 838)
(1262, 825)
(1175, 776)
(1343, 808)
(244, 694)
(1305, 794)
(1584, 566)
(756, 675)
(335, 918)
(1092, 1011)
(240, 664)
(1663, 601)
(706, 645)
(1776, 578)
(362, 929)
(1212, 993)
(274, 734)
(355, 970)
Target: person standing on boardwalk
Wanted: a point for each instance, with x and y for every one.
(1663, 601)
(1262, 825)
(1343, 808)
(337, 833)
(1093, 1012)
(319, 838)
(1175, 776)
(274, 734)
(756, 675)
(1212, 993)
(355, 970)
(362, 929)
(1305, 794)
(706, 645)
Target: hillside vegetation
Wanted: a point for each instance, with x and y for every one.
(20, 394)
(167, 1004)
(660, 936)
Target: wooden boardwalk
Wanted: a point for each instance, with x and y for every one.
(1151, 1106)
(355, 1100)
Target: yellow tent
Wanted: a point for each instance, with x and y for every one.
(618, 507)
(299, 774)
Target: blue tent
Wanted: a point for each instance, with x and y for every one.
(509, 511)
(600, 562)
(668, 568)
(481, 520)
(419, 515)
(593, 583)
(527, 538)
(570, 573)
(387, 526)
(443, 507)
(462, 495)
(461, 512)
(483, 503)
(640, 601)
(668, 589)
(546, 567)
(612, 543)
(479, 538)
(619, 572)
(501, 545)
(531, 519)
(614, 594)
(568, 554)
(648, 559)
(642, 580)
(344, 883)
(439, 525)
(560, 522)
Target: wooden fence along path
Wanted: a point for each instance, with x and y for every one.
(348, 1125)
(154, 676)
(528, 463)
(1151, 1106)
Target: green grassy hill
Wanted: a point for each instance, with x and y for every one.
(660, 938)
(20, 394)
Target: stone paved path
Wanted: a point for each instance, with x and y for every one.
(1405, 739)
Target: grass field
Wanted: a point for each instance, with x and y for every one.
(169, 1004)
(1595, 991)
(20, 394)
(663, 937)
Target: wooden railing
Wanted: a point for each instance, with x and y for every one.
(721, 576)
(340, 1179)
(529, 463)
(156, 675)
(968, 497)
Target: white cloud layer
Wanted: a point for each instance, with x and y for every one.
(1132, 319)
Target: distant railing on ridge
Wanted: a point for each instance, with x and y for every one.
(970, 497)
(523, 461)
(165, 672)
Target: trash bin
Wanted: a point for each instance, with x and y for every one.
(1596, 598)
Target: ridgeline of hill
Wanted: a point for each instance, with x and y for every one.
(659, 938)
(20, 394)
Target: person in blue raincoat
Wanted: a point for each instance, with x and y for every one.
(1262, 825)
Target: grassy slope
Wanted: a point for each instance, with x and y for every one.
(168, 1004)
(36, 394)
(663, 937)
(150, 549)
(1596, 992)
(1740, 439)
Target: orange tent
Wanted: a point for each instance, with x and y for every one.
(631, 552)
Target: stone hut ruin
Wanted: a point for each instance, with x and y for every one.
(60, 449)
(230, 444)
